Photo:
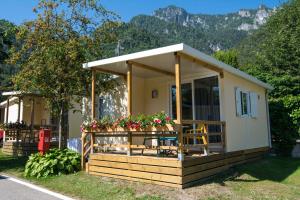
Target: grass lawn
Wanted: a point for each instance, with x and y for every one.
(271, 178)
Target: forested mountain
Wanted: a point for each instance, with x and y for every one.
(171, 25)
(207, 33)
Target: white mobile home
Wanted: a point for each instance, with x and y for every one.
(194, 89)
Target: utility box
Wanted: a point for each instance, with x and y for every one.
(296, 150)
(44, 140)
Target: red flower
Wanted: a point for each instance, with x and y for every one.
(168, 118)
(94, 126)
(157, 121)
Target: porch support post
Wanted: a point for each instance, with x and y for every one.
(93, 94)
(32, 113)
(7, 110)
(19, 109)
(129, 103)
(179, 106)
(93, 108)
(129, 89)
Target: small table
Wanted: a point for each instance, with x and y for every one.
(159, 140)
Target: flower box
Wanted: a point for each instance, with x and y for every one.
(159, 122)
(166, 128)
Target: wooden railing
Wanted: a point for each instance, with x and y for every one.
(27, 135)
(201, 138)
(21, 135)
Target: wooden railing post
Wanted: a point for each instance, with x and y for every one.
(179, 106)
(83, 140)
(129, 103)
(223, 129)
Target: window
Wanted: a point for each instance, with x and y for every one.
(101, 108)
(246, 103)
(187, 103)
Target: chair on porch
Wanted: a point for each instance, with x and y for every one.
(199, 134)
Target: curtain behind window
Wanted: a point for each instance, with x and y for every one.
(207, 104)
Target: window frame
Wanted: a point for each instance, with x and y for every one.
(246, 97)
(245, 94)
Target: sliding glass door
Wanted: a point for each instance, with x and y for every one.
(207, 104)
(200, 99)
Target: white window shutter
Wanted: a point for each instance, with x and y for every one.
(253, 104)
(238, 105)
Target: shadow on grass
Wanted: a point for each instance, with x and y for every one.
(275, 169)
(10, 163)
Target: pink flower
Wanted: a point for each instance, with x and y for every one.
(168, 118)
(94, 126)
(158, 121)
(81, 129)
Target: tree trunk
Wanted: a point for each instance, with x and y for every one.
(63, 127)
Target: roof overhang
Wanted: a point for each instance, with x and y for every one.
(19, 93)
(4, 103)
(163, 59)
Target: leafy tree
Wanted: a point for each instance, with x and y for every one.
(7, 39)
(272, 54)
(229, 57)
(52, 48)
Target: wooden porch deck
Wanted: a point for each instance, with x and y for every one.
(168, 171)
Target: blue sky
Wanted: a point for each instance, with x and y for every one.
(19, 11)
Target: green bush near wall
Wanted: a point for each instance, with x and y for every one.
(54, 162)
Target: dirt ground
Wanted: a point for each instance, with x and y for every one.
(204, 190)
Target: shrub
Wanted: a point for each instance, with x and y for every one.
(54, 162)
(284, 133)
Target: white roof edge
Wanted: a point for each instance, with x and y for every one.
(10, 100)
(181, 47)
(211, 60)
(141, 54)
(12, 93)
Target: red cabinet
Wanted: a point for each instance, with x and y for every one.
(44, 140)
